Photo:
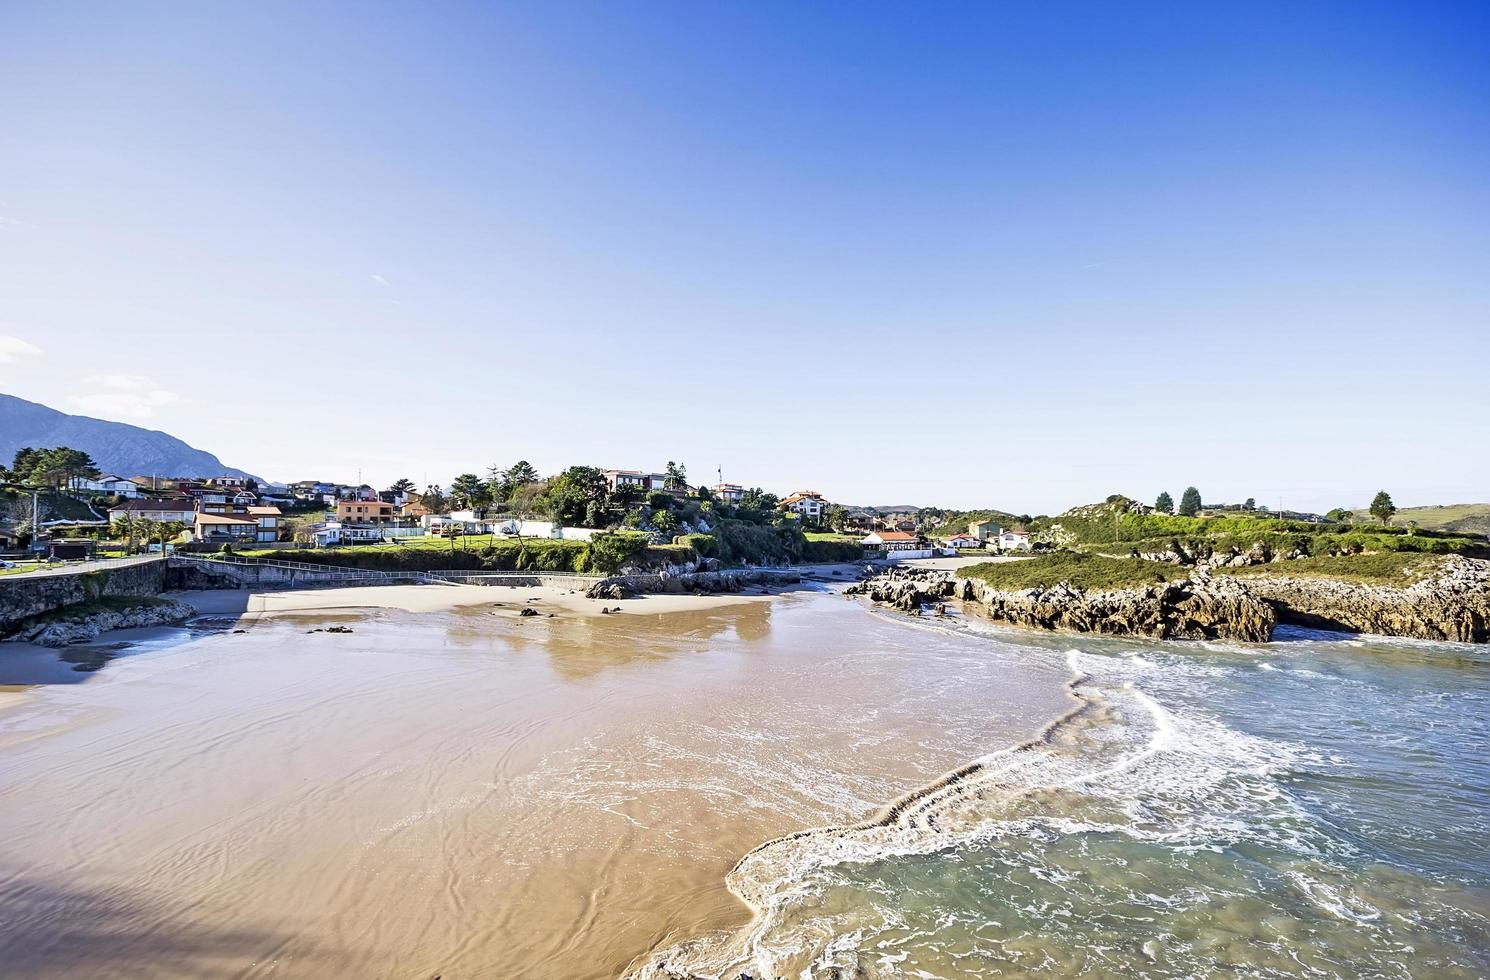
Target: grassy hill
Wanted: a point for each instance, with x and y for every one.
(1460, 518)
(1118, 527)
(957, 521)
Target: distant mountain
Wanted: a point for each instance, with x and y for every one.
(124, 450)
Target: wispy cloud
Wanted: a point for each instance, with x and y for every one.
(379, 280)
(132, 396)
(14, 348)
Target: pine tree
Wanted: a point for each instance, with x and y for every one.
(1165, 503)
(1190, 502)
(1382, 507)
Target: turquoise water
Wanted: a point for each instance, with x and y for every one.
(1318, 806)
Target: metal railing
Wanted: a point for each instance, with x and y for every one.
(77, 566)
(325, 573)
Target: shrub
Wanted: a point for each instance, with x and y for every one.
(609, 551)
(705, 545)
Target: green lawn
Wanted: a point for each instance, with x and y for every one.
(1087, 571)
(830, 536)
(1463, 518)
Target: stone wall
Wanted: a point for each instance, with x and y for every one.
(30, 595)
(727, 580)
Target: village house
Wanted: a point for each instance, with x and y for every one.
(963, 541)
(412, 509)
(255, 524)
(364, 511)
(332, 533)
(116, 486)
(1014, 541)
(614, 479)
(809, 505)
(984, 530)
(728, 493)
(182, 509)
(895, 545)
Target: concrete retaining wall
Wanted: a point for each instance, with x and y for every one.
(30, 595)
(727, 580)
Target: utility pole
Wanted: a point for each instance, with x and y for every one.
(35, 520)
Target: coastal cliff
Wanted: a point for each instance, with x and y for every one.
(1453, 603)
(1449, 602)
(86, 621)
(1185, 610)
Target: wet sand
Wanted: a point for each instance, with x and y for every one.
(453, 790)
(445, 598)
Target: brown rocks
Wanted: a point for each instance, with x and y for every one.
(1452, 604)
(1188, 610)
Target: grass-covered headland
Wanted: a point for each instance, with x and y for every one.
(1086, 571)
(1112, 528)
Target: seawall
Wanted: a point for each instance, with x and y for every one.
(22, 596)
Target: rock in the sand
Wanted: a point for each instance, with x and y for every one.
(528, 611)
(63, 628)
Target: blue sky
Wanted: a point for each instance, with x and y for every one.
(1017, 255)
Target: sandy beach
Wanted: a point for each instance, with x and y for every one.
(452, 789)
(499, 600)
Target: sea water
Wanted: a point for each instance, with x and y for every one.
(1318, 806)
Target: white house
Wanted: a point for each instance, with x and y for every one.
(728, 493)
(897, 545)
(806, 504)
(117, 486)
(963, 541)
(1014, 541)
(182, 509)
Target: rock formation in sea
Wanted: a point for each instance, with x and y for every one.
(1452, 603)
(62, 629)
(1216, 609)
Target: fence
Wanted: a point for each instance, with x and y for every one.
(273, 571)
(82, 565)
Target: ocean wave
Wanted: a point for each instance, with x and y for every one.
(1119, 762)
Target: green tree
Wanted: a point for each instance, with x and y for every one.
(837, 517)
(1251, 504)
(434, 498)
(402, 485)
(1340, 515)
(664, 521)
(757, 499)
(465, 490)
(627, 495)
(1382, 507)
(677, 477)
(1190, 502)
(570, 494)
(1165, 503)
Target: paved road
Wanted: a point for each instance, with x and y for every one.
(75, 567)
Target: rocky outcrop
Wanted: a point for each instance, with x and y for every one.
(61, 629)
(24, 596)
(1217, 609)
(1451, 604)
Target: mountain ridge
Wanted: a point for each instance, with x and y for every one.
(117, 447)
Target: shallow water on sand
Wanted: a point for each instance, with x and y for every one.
(1312, 807)
(461, 794)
